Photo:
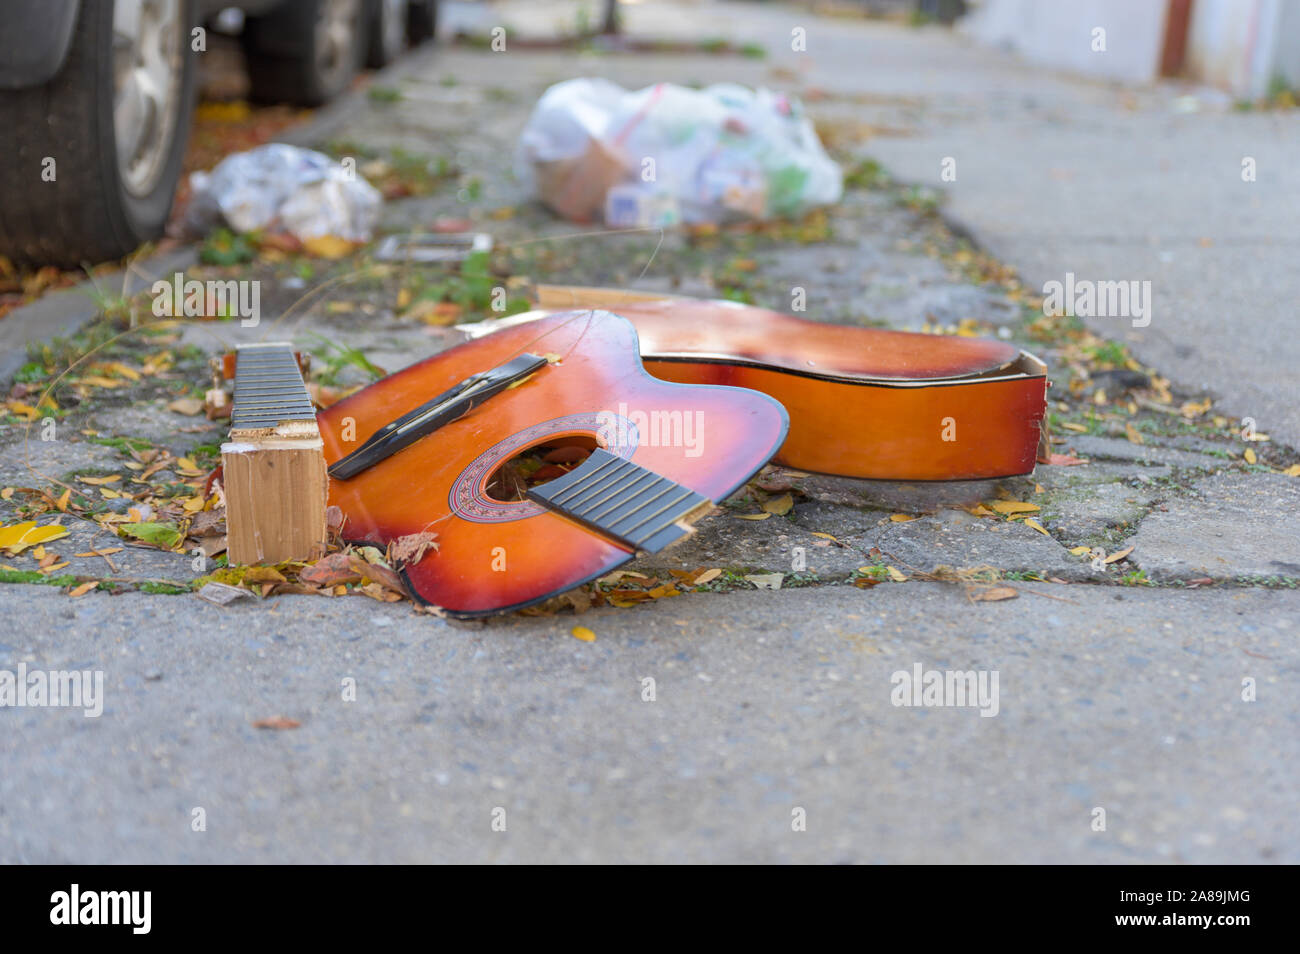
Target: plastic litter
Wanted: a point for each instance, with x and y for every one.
(668, 154)
(287, 188)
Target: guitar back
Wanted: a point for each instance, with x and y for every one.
(495, 554)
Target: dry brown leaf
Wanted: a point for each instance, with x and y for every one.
(83, 589)
(706, 577)
(1118, 555)
(277, 722)
(190, 407)
(992, 594)
(411, 548)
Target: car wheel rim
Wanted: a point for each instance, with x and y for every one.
(147, 44)
(336, 33)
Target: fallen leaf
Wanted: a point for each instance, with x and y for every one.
(1250, 456)
(766, 581)
(583, 633)
(100, 481)
(779, 505)
(901, 517)
(263, 574)
(1132, 434)
(18, 537)
(334, 570)
(992, 594)
(1118, 555)
(277, 722)
(753, 516)
(411, 548)
(327, 246)
(1030, 522)
(1292, 471)
(1014, 506)
(707, 576)
(159, 534)
(896, 575)
(1065, 460)
(1080, 551)
(83, 589)
(107, 551)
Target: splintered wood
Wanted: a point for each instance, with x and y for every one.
(274, 473)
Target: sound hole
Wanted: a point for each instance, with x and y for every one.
(538, 464)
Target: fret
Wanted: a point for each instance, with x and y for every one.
(612, 478)
(617, 461)
(644, 503)
(613, 492)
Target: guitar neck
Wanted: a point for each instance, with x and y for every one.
(273, 466)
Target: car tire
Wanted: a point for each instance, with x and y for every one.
(386, 22)
(304, 52)
(66, 197)
(421, 21)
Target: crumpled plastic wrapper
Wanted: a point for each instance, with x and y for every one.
(278, 187)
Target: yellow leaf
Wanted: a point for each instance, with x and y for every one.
(1014, 506)
(583, 633)
(327, 246)
(1118, 555)
(706, 577)
(1132, 434)
(83, 589)
(62, 502)
(1080, 551)
(109, 494)
(1250, 456)
(1292, 471)
(779, 505)
(100, 481)
(47, 570)
(403, 298)
(896, 575)
(1030, 522)
(107, 551)
(753, 516)
(1071, 426)
(901, 517)
(7, 493)
(18, 537)
(825, 536)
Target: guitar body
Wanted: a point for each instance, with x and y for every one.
(496, 554)
(863, 402)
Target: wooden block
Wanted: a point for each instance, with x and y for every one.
(275, 488)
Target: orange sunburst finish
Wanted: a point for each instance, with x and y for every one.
(863, 402)
(496, 556)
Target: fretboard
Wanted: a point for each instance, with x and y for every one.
(635, 506)
(269, 389)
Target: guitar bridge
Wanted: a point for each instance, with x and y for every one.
(629, 503)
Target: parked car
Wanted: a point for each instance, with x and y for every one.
(96, 98)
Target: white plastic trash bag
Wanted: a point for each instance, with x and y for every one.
(668, 153)
(287, 188)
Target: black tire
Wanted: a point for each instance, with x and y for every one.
(386, 39)
(86, 214)
(422, 21)
(288, 61)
